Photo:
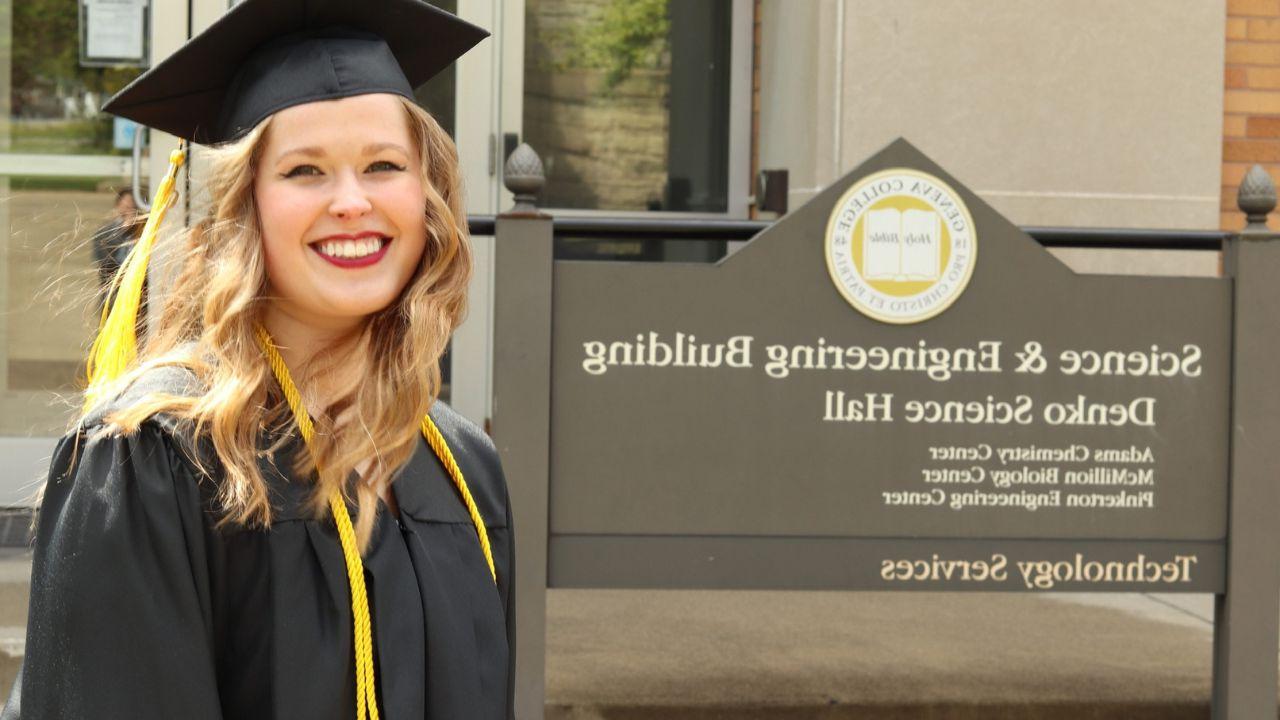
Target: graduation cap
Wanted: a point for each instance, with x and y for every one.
(261, 57)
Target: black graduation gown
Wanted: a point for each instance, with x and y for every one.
(142, 608)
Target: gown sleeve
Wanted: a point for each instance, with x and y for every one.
(120, 622)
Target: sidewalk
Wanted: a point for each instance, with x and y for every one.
(676, 655)
(763, 655)
(15, 571)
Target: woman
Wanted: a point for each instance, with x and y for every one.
(255, 517)
(112, 241)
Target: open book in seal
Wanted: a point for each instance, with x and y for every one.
(902, 245)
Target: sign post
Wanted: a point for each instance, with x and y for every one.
(522, 411)
(1245, 614)
(895, 388)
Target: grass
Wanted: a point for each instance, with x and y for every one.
(56, 182)
(62, 137)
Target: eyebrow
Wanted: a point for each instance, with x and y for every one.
(318, 152)
(375, 148)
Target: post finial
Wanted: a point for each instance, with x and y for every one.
(524, 177)
(1256, 197)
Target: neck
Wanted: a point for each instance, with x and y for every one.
(301, 342)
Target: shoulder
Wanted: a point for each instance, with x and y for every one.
(174, 380)
(110, 483)
(160, 430)
(478, 458)
(457, 428)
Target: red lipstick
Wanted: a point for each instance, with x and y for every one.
(346, 262)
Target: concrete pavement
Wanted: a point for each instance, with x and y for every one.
(713, 655)
(826, 655)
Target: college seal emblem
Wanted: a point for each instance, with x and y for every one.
(900, 246)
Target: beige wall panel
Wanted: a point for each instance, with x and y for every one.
(1175, 263)
(1059, 112)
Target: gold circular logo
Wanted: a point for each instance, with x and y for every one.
(900, 246)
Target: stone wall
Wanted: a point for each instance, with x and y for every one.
(602, 148)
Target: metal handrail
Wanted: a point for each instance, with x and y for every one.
(1120, 238)
(721, 230)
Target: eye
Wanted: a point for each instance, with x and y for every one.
(385, 166)
(302, 170)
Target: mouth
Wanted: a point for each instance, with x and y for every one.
(352, 252)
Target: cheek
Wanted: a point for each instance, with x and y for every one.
(408, 202)
(410, 211)
(282, 215)
(278, 214)
(274, 258)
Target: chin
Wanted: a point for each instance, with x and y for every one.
(362, 310)
(349, 308)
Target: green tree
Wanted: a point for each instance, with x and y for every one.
(623, 36)
(46, 54)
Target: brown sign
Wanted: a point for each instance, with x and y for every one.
(893, 387)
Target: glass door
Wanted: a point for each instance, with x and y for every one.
(66, 205)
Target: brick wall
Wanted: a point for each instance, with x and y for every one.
(1251, 123)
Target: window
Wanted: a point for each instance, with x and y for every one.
(629, 103)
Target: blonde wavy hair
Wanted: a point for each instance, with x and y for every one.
(208, 321)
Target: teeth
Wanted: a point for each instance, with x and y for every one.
(350, 248)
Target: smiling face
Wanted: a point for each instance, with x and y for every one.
(340, 201)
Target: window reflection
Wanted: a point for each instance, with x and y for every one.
(60, 172)
(627, 102)
(53, 100)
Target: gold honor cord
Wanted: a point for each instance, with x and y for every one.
(441, 449)
(116, 344)
(366, 691)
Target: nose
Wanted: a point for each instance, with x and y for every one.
(349, 200)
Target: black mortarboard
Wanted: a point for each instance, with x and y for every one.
(263, 56)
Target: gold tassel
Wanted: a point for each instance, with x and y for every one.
(116, 345)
